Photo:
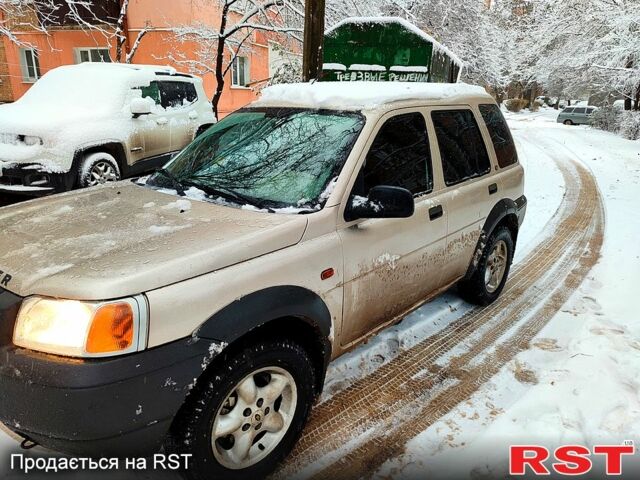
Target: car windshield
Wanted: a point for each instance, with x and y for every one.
(269, 157)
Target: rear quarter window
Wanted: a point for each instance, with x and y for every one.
(462, 149)
(500, 135)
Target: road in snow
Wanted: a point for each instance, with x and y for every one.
(592, 346)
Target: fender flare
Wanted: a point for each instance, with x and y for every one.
(257, 309)
(501, 210)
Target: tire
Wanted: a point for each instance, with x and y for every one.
(568, 122)
(484, 288)
(98, 168)
(259, 370)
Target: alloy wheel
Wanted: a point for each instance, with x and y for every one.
(496, 266)
(254, 418)
(102, 172)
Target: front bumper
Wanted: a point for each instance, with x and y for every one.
(33, 179)
(118, 406)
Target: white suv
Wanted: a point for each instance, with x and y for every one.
(91, 123)
(199, 308)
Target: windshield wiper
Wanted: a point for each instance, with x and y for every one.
(230, 194)
(177, 184)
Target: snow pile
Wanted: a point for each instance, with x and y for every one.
(364, 95)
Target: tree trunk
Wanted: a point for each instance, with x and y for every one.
(636, 107)
(220, 61)
(313, 39)
(629, 96)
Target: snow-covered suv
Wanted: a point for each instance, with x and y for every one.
(86, 124)
(198, 309)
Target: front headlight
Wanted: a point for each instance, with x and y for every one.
(30, 140)
(82, 329)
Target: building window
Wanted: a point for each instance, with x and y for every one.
(93, 55)
(30, 64)
(240, 72)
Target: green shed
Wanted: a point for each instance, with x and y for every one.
(386, 49)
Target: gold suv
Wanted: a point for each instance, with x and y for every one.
(197, 309)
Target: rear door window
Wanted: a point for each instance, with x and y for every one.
(462, 149)
(500, 135)
(399, 157)
(177, 94)
(580, 111)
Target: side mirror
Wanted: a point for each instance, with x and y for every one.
(140, 106)
(383, 202)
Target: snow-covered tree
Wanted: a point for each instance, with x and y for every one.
(215, 47)
(103, 17)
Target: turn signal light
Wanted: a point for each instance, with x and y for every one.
(112, 329)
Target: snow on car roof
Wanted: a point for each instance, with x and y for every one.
(157, 69)
(364, 95)
(437, 46)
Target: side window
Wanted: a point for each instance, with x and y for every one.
(462, 148)
(568, 110)
(399, 156)
(590, 111)
(177, 94)
(152, 91)
(500, 135)
(580, 111)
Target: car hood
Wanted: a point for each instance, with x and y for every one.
(124, 239)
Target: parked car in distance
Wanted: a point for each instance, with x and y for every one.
(91, 123)
(580, 115)
(197, 309)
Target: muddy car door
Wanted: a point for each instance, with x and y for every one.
(391, 264)
(470, 189)
(178, 98)
(153, 130)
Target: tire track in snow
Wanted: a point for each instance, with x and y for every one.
(357, 430)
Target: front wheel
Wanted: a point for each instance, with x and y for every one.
(244, 418)
(98, 168)
(568, 122)
(490, 275)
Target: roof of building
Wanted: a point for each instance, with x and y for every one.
(365, 95)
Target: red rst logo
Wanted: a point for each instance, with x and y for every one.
(569, 459)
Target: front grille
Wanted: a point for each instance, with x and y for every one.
(9, 306)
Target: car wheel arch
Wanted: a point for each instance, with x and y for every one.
(288, 311)
(503, 213)
(115, 149)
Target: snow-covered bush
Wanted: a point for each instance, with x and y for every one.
(607, 118)
(535, 105)
(630, 125)
(516, 104)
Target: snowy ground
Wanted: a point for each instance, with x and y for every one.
(584, 366)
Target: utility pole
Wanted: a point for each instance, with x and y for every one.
(313, 39)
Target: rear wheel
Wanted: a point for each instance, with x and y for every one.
(98, 168)
(490, 276)
(245, 417)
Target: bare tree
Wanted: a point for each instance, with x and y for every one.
(217, 46)
(106, 18)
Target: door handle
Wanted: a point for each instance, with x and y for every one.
(493, 188)
(435, 212)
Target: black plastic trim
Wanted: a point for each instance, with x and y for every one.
(111, 406)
